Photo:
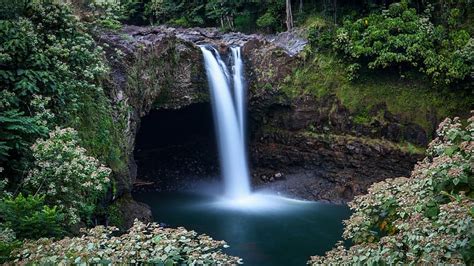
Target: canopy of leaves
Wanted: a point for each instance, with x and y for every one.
(401, 38)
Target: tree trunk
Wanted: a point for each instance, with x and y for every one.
(289, 16)
(301, 6)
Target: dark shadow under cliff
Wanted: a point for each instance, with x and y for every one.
(175, 147)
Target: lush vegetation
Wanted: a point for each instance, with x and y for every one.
(142, 244)
(57, 133)
(324, 75)
(60, 145)
(66, 176)
(427, 218)
(51, 76)
(229, 15)
(399, 37)
(388, 55)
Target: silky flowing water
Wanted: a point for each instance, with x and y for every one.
(229, 112)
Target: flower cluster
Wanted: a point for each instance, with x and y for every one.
(66, 175)
(42, 113)
(3, 185)
(426, 218)
(142, 244)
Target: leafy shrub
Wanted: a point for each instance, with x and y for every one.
(244, 22)
(107, 14)
(272, 19)
(427, 218)
(267, 20)
(48, 55)
(29, 217)
(18, 129)
(320, 33)
(8, 243)
(3, 185)
(143, 243)
(66, 175)
(401, 38)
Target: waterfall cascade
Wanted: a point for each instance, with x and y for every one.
(228, 105)
(228, 93)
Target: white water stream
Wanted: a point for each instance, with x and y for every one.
(228, 93)
(228, 105)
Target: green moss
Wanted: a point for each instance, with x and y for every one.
(99, 132)
(115, 216)
(411, 98)
(404, 147)
(362, 118)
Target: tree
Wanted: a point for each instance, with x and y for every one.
(222, 11)
(289, 16)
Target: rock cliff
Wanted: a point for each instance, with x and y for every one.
(161, 68)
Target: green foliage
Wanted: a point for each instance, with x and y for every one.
(49, 60)
(426, 218)
(8, 243)
(107, 14)
(66, 175)
(115, 216)
(401, 38)
(30, 218)
(3, 185)
(179, 13)
(320, 33)
(244, 22)
(272, 19)
(142, 244)
(412, 98)
(10, 9)
(227, 14)
(267, 20)
(223, 12)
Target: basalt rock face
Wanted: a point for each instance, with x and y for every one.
(313, 141)
(311, 148)
(162, 68)
(326, 166)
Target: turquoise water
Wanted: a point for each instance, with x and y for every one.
(280, 232)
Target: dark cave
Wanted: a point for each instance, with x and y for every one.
(175, 147)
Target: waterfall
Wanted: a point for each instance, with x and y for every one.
(229, 117)
(239, 89)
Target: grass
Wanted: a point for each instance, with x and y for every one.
(412, 98)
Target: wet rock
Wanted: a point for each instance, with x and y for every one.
(333, 167)
(415, 134)
(129, 210)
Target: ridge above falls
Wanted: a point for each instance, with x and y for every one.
(290, 42)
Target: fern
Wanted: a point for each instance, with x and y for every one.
(17, 133)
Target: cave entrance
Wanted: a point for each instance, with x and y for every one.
(174, 148)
